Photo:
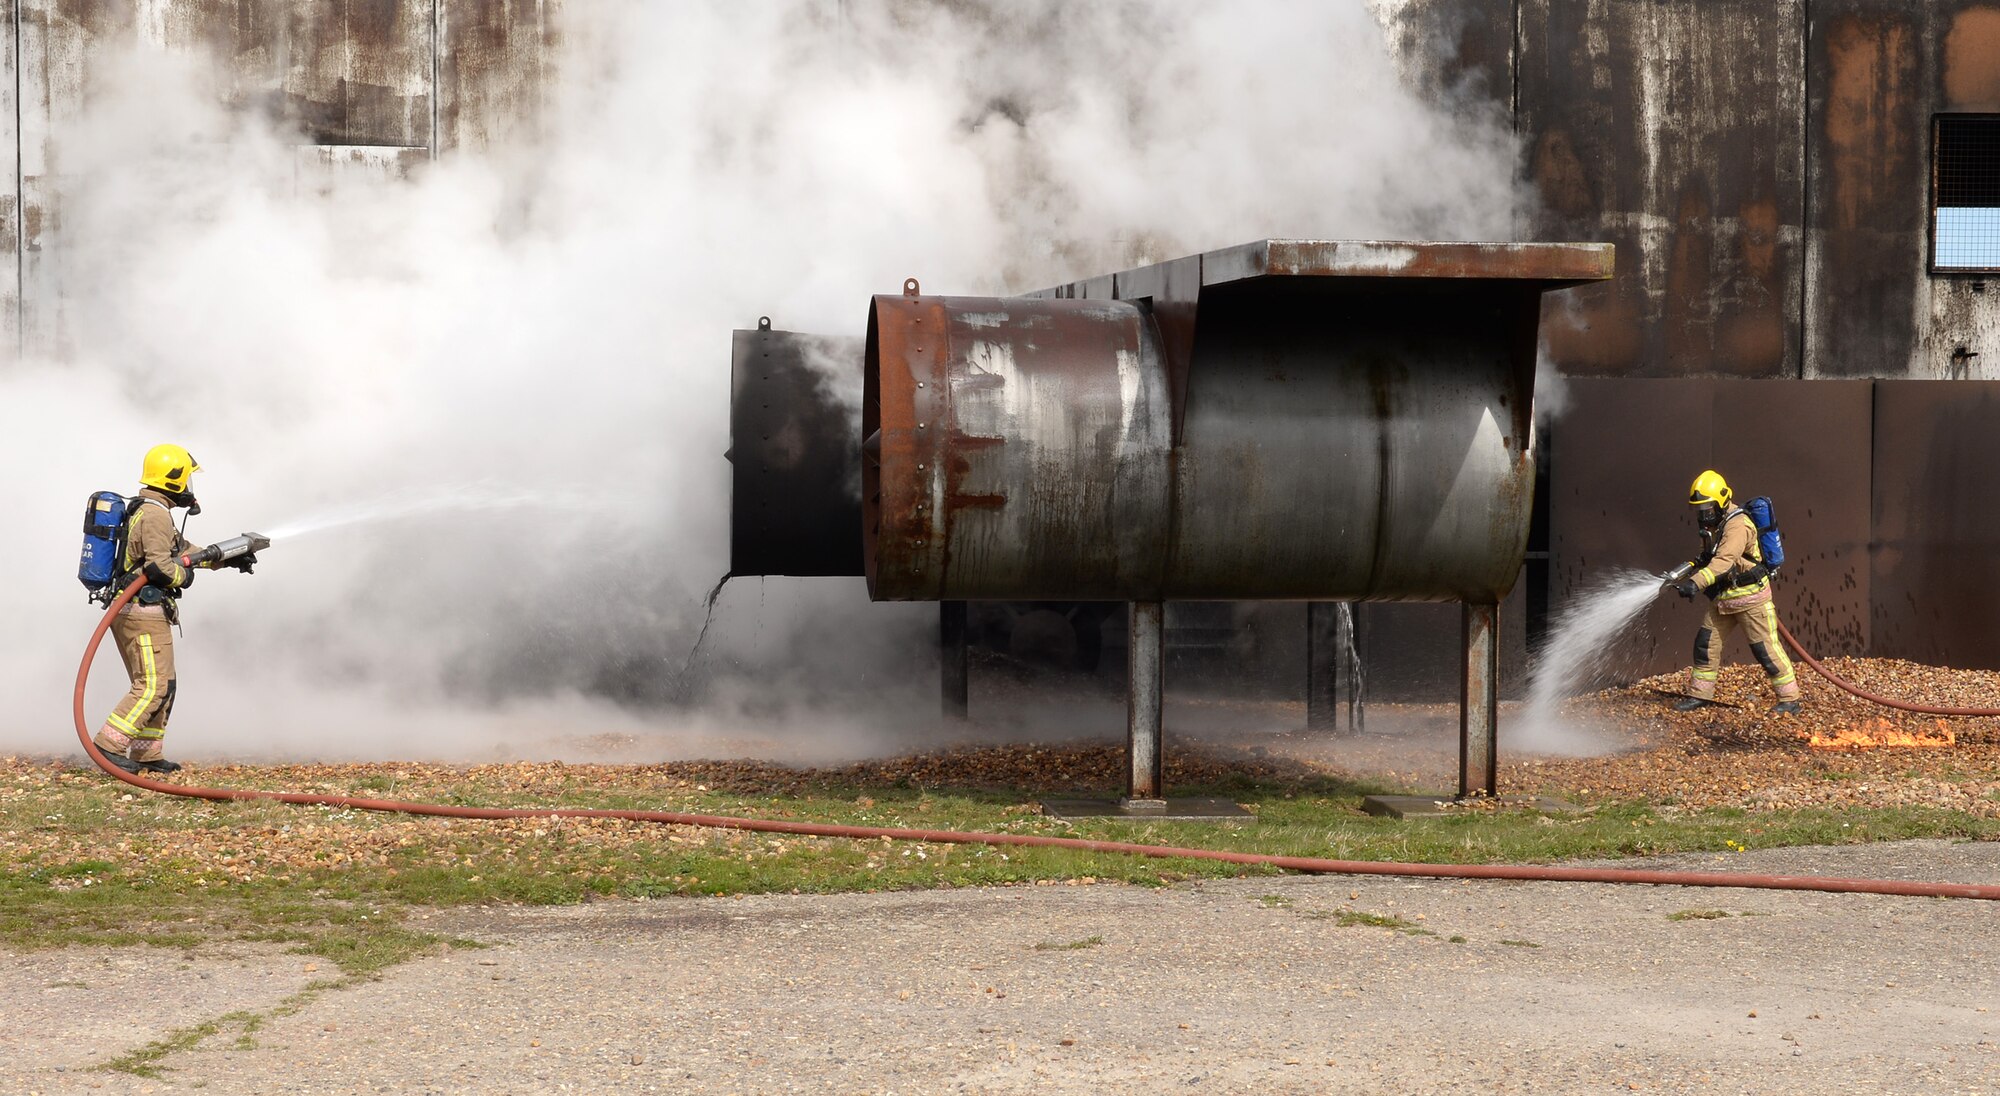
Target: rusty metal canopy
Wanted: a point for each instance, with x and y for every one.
(1552, 265)
(1285, 419)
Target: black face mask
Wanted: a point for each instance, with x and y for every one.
(182, 498)
(1709, 514)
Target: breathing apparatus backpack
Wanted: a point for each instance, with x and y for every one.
(104, 516)
(1770, 542)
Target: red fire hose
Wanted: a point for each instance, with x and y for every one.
(815, 829)
(1874, 698)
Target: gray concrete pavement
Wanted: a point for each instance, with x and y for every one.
(1237, 986)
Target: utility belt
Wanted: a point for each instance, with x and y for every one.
(151, 597)
(1742, 585)
(1743, 580)
(1750, 578)
(148, 594)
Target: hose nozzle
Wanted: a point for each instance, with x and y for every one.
(1680, 580)
(223, 550)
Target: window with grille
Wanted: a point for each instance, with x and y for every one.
(1965, 193)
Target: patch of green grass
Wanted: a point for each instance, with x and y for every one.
(144, 1062)
(115, 888)
(1697, 915)
(1073, 945)
(359, 951)
(1456, 939)
(1520, 943)
(1350, 918)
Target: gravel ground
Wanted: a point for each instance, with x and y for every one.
(1221, 986)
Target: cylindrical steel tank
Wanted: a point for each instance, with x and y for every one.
(1360, 437)
(1014, 445)
(1353, 445)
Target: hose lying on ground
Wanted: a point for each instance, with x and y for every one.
(1874, 698)
(816, 829)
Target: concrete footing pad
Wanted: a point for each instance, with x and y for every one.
(1438, 806)
(1185, 809)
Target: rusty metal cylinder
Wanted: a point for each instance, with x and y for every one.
(1012, 447)
(1366, 444)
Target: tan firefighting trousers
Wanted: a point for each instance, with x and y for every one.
(137, 725)
(1760, 623)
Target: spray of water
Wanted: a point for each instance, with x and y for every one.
(1586, 643)
(465, 498)
(1354, 687)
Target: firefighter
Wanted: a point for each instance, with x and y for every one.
(1731, 572)
(133, 735)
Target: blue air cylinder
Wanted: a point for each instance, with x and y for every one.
(103, 532)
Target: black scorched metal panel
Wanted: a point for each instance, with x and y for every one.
(1937, 445)
(795, 448)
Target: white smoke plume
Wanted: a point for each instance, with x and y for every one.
(518, 359)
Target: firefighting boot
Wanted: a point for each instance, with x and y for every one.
(1691, 704)
(1786, 707)
(121, 761)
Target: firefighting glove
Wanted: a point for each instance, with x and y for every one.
(242, 563)
(1685, 588)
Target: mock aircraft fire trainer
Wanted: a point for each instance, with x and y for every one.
(1292, 420)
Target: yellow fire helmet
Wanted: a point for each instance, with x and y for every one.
(169, 468)
(1709, 487)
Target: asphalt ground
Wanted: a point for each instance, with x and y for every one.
(1270, 984)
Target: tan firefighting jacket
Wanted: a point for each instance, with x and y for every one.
(150, 537)
(1735, 567)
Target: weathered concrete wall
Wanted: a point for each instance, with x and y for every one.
(1462, 50)
(369, 85)
(494, 69)
(1674, 131)
(10, 195)
(1763, 168)
(1878, 71)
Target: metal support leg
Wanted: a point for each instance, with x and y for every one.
(1478, 708)
(954, 668)
(1323, 661)
(1143, 714)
